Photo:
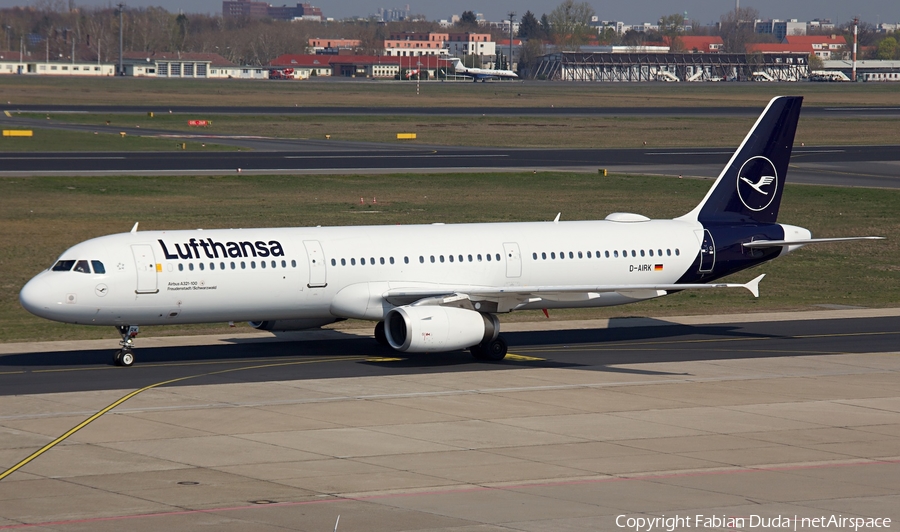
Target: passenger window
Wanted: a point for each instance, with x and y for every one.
(221, 265)
(479, 257)
(262, 264)
(98, 266)
(391, 259)
(421, 259)
(63, 265)
(343, 262)
(588, 254)
(82, 267)
(293, 264)
(362, 261)
(488, 257)
(284, 264)
(642, 253)
(333, 262)
(633, 254)
(470, 258)
(497, 256)
(442, 258)
(668, 252)
(274, 264)
(432, 259)
(202, 267)
(534, 256)
(659, 252)
(605, 253)
(460, 258)
(579, 255)
(372, 261)
(562, 255)
(552, 255)
(616, 253)
(544, 255)
(450, 257)
(191, 266)
(232, 265)
(243, 265)
(382, 260)
(352, 261)
(212, 265)
(252, 264)
(571, 255)
(651, 252)
(677, 253)
(180, 267)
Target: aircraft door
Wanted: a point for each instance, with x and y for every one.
(316, 257)
(513, 259)
(145, 263)
(707, 252)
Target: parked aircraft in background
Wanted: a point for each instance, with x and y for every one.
(481, 74)
(434, 287)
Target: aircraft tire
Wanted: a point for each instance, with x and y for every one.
(496, 351)
(124, 357)
(380, 335)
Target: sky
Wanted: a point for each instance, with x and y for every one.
(631, 12)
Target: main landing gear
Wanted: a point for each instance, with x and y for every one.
(125, 355)
(380, 336)
(494, 350)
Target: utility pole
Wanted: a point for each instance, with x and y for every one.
(512, 15)
(855, 40)
(121, 71)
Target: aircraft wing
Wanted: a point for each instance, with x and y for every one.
(512, 297)
(780, 243)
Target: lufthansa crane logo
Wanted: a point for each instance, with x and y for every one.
(757, 182)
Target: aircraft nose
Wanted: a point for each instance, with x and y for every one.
(35, 296)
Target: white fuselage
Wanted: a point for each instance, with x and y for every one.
(326, 273)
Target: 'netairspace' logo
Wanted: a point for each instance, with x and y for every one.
(753, 521)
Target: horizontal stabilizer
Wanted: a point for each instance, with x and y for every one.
(782, 243)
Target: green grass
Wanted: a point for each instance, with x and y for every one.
(41, 217)
(165, 92)
(526, 132)
(45, 140)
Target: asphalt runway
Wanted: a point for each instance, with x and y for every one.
(788, 416)
(352, 357)
(809, 111)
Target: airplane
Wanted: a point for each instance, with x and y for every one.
(482, 74)
(431, 288)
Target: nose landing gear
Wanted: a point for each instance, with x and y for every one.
(125, 355)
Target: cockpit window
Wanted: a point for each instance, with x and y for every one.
(63, 265)
(98, 266)
(82, 266)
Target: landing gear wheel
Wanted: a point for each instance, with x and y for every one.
(380, 335)
(477, 352)
(496, 350)
(124, 357)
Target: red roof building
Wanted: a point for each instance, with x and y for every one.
(700, 44)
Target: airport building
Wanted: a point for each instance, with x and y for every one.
(16, 63)
(672, 67)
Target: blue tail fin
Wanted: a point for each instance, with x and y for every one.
(749, 188)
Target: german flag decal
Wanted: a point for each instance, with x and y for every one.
(657, 268)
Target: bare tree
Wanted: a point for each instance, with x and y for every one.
(736, 29)
(571, 24)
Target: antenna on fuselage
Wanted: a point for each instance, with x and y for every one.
(556, 220)
(134, 229)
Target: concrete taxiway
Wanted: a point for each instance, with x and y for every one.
(789, 415)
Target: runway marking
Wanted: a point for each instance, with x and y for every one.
(625, 344)
(121, 400)
(522, 358)
(435, 155)
(498, 487)
(59, 158)
(383, 359)
(7, 114)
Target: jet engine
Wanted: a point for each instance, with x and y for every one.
(291, 325)
(421, 329)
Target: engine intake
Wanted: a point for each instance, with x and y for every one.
(435, 329)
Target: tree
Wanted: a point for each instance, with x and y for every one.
(571, 23)
(532, 50)
(671, 25)
(815, 62)
(529, 27)
(546, 30)
(887, 48)
(467, 20)
(736, 29)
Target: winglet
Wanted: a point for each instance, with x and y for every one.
(753, 285)
(134, 229)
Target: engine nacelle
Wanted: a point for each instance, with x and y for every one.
(291, 325)
(432, 328)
